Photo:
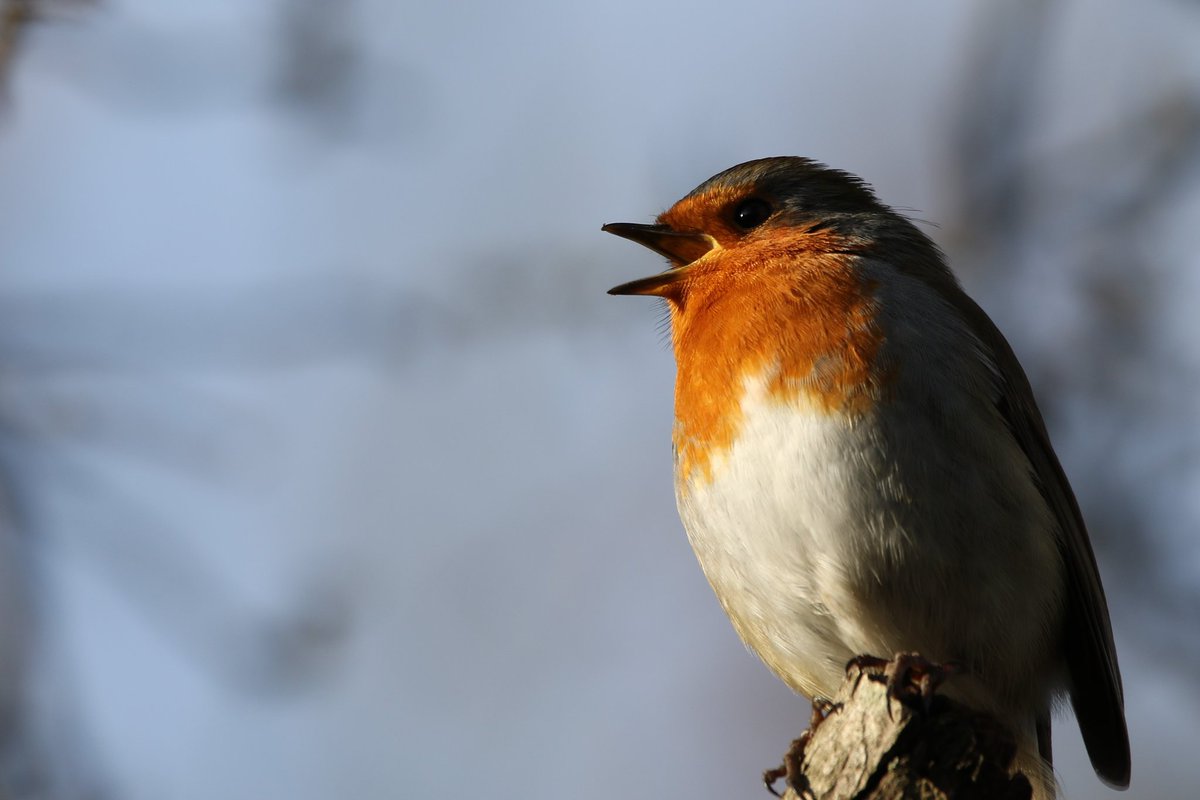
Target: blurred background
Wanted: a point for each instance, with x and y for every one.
(327, 469)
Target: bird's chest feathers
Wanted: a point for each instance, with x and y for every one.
(809, 344)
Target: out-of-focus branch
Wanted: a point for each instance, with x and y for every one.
(990, 137)
(16, 16)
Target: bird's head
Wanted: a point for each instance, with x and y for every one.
(740, 221)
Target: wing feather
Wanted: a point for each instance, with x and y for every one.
(1091, 657)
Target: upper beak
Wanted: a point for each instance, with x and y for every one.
(681, 248)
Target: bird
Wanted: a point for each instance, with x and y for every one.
(860, 464)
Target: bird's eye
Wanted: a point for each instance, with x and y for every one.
(750, 213)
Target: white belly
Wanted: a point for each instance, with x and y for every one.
(827, 536)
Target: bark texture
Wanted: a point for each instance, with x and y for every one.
(870, 746)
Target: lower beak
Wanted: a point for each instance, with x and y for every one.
(681, 248)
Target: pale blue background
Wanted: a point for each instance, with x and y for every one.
(331, 470)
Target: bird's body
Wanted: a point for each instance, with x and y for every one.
(860, 465)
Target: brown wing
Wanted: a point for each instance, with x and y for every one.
(1095, 679)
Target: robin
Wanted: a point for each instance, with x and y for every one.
(860, 463)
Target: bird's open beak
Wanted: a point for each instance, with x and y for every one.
(681, 248)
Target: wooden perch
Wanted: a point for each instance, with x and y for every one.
(870, 747)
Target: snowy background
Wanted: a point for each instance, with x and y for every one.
(328, 469)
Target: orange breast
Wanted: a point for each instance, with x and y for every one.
(791, 311)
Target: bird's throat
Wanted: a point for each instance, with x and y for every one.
(810, 339)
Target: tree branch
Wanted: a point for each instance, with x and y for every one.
(872, 747)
